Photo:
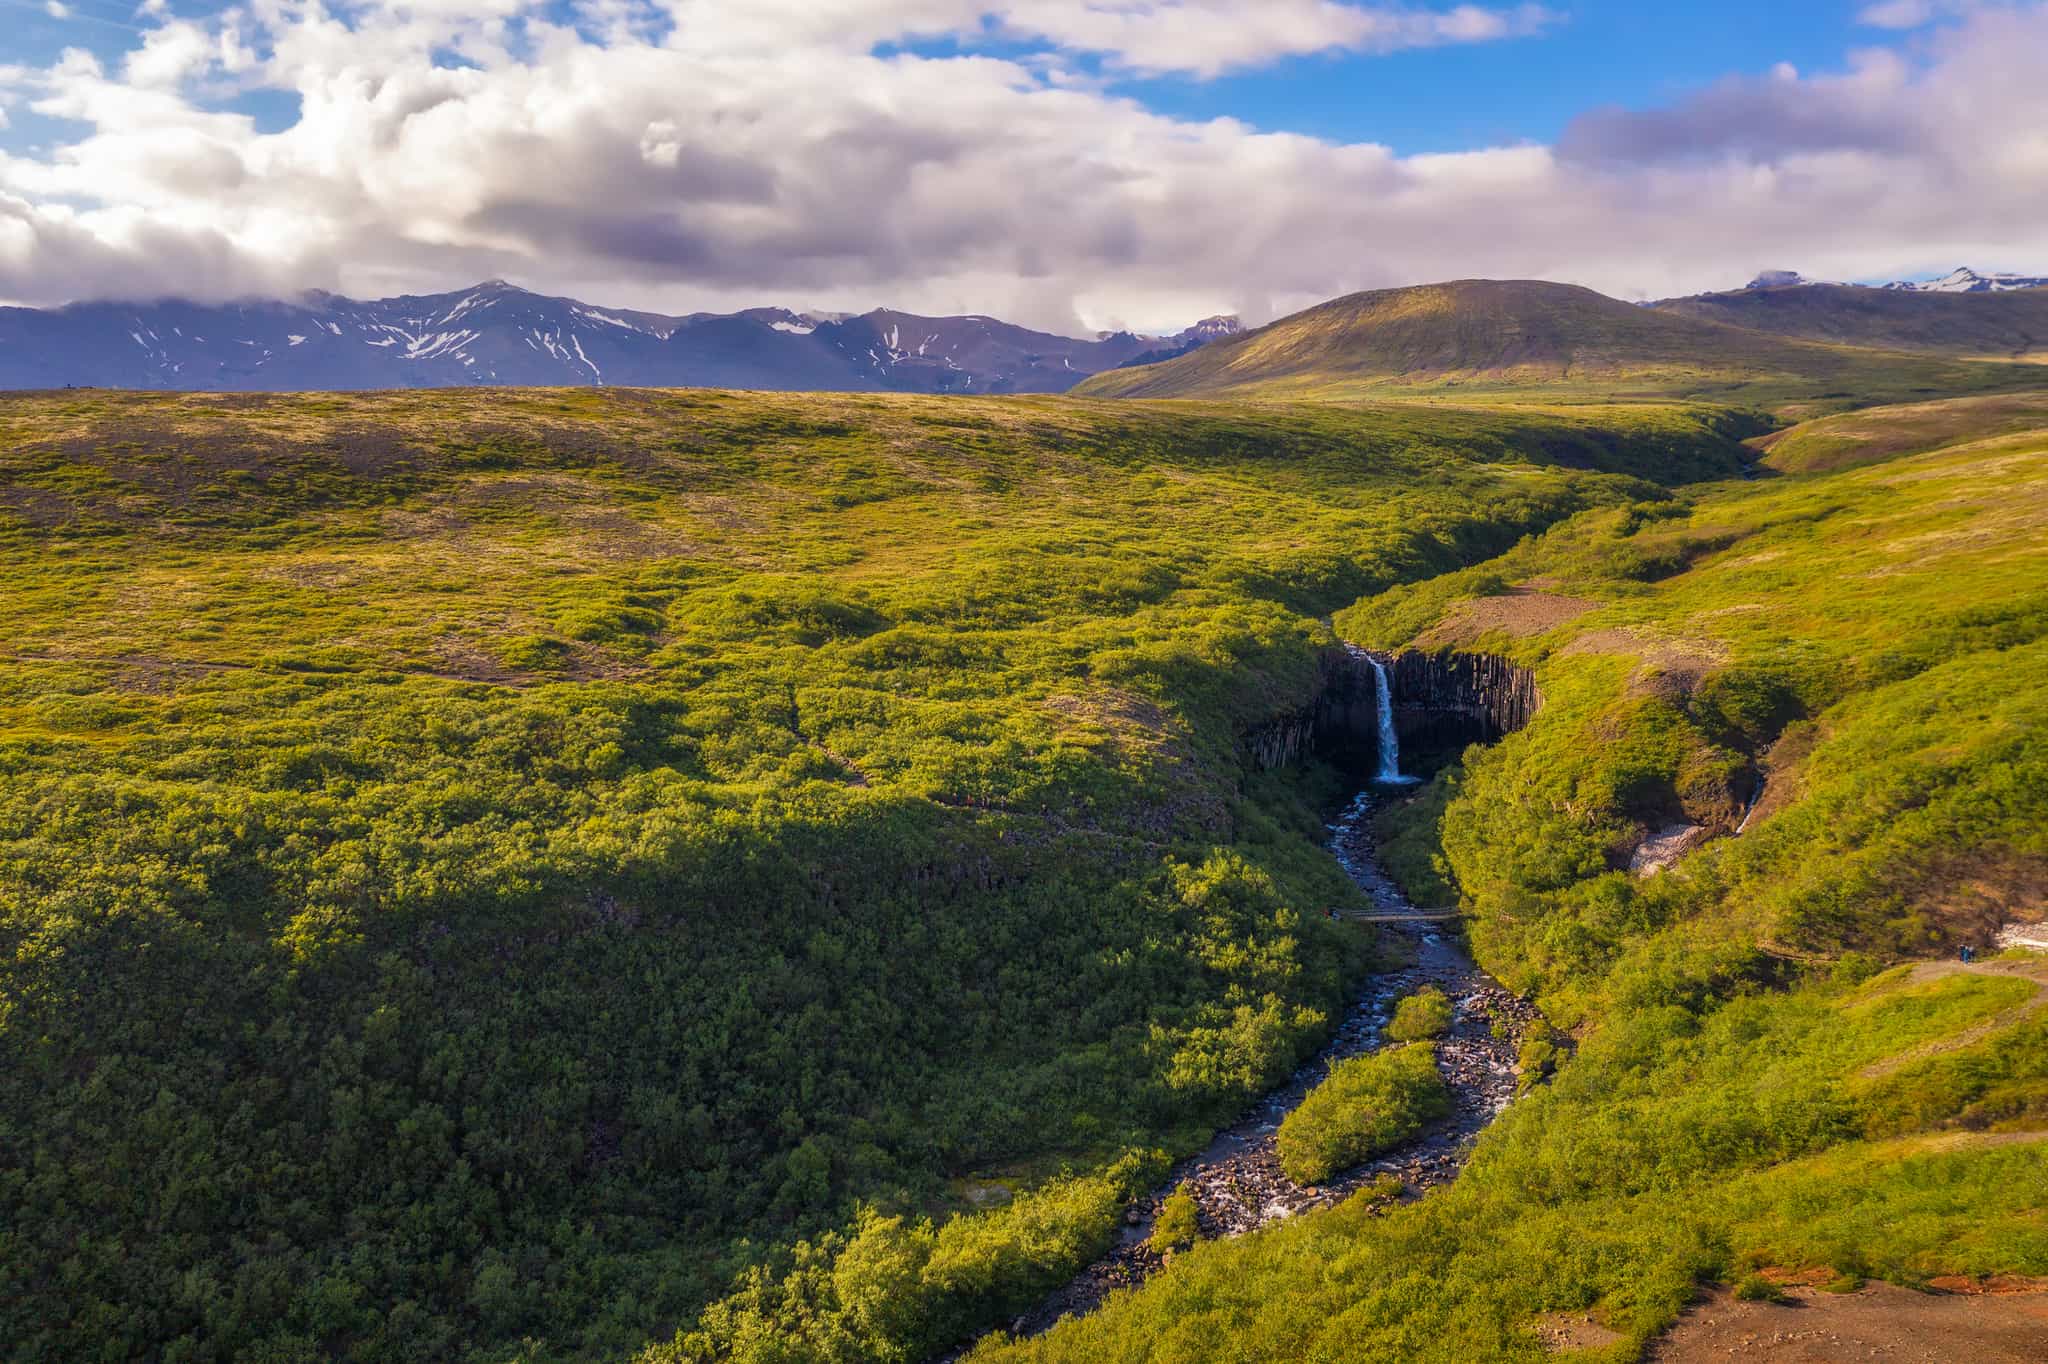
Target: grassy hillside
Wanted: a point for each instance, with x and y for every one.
(1992, 326)
(1853, 438)
(1521, 337)
(1864, 655)
(491, 867)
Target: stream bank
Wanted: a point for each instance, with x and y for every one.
(1237, 1182)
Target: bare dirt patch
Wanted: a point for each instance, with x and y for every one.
(1880, 1321)
(1975, 895)
(1564, 1332)
(1524, 611)
(1671, 668)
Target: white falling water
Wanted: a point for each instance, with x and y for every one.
(1390, 742)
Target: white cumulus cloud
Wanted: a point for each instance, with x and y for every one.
(701, 153)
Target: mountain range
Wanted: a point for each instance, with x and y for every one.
(498, 334)
(1961, 280)
(1781, 337)
(1963, 314)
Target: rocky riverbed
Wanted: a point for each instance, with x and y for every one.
(1237, 1182)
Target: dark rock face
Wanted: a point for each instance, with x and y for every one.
(1338, 725)
(1442, 702)
(1447, 700)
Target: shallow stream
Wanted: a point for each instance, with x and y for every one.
(1237, 1182)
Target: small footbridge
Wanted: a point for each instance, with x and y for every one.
(1410, 916)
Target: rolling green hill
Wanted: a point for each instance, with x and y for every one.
(491, 867)
(2012, 324)
(1853, 438)
(1841, 679)
(575, 875)
(1524, 338)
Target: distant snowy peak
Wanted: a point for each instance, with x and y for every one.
(1779, 279)
(497, 333)
(1161, 349)
(1213, 329)
(1964, 280)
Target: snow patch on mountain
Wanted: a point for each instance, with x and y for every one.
(1964, 280)
(496, 333)
(606, 319)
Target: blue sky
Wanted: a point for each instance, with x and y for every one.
(1606, 52)
(1062, 162)
(1450, 98)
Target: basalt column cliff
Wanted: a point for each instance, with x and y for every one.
(1442, 702)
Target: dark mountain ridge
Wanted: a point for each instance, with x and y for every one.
(2006, 321)
(498, 334)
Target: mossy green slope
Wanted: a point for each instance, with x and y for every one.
(1751, 1085)
(1528, 337)
(483, 868)
(1852, 438)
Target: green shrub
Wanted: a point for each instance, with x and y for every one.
(1756, 1288)
(1179, 1223)
(896, 1290)
(535, 653)
(1366, 1105)
(1537, 1056)
(1420, 1016)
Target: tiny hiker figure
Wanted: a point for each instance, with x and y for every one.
(1969, 953)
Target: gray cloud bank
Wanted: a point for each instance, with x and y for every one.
(699, 153)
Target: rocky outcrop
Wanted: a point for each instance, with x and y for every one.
(1279, 742)
(1337, 725)
(1490, 694)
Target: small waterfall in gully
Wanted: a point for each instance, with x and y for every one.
(1389, 773)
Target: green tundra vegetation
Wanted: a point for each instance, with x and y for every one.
(1838, 678)
(555, 875)
(1420, 1016)
(530, 874)
(1365, 1105)
(1179, 1224)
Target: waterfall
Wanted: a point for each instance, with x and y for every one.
(1390, 742)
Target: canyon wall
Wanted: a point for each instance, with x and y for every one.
(1448, 700)
(1441, 703)
(1337, 726)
